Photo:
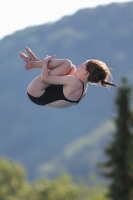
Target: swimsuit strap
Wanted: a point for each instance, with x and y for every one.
(79, 98)
(82, 93)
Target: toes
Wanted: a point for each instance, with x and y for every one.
(22, 55)
(27, 48)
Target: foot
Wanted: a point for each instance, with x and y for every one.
(31, 54)
(26, 61)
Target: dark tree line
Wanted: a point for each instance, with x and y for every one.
(119, 166)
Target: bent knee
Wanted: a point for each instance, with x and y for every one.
(73, 69)
(68, 63)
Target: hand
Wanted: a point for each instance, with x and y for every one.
(49, 58)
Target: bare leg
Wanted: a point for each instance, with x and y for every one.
(33, 57)
(31, 54)
(53, 64)
(26, 61)
(58, 68)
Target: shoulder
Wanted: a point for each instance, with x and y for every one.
(74, 83)
(72, 79)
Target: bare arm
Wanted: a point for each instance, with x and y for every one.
(57, 80)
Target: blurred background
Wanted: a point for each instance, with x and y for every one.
(49, 142)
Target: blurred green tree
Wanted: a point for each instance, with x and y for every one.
(62, 188)
(119, 166)
(13, 185)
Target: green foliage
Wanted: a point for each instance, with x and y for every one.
(58, 189)
(12, 181)
(13, 186)
(62, 188)
(119, 167)
(97, 193)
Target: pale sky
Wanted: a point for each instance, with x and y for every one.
(17, 15)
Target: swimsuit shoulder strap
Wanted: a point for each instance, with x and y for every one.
(82, 93)
(64, 98)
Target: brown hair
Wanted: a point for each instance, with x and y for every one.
(99, 73)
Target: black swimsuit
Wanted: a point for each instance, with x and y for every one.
(51, 94)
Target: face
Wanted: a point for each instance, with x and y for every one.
(82, 68)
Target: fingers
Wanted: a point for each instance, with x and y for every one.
(49, 58)
(53, 57)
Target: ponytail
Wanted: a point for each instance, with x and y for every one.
(106, 84)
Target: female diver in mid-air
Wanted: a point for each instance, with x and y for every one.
(60, 84)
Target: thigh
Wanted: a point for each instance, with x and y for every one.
(36, 88)
(62, 67)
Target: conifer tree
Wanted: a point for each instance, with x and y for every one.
(119, 166)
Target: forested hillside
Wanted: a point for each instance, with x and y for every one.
(47, 140)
